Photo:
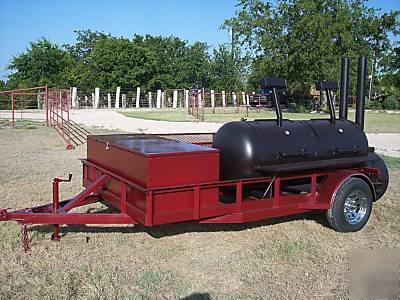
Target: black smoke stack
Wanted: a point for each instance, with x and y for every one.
(361, 81)
(344, 88)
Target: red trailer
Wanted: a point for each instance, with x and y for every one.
(156, 180)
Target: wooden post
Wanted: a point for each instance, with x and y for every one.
(117, 97)
(158, 98)
(223, 98)
(109, 100)
(199, 98)
(163, 99)
(212, 98)
(97, 97)
(234, 98)
(38, 101)
(186, 98)
(150, 100)
(138, 97)
(74, 94)
(123, 100)
(12, 109)
(93, 101)
(175, 99)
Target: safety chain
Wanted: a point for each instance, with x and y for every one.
(25, 238)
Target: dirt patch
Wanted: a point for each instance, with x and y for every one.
(292, 257)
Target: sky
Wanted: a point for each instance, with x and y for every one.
(23, 21)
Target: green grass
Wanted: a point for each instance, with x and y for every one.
(374, 121)
(391, 162)
(21, 124)
(295, 249)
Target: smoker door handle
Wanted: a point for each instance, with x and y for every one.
(350, 151)
(282, 155)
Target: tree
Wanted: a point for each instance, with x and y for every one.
(389, 81)
(303, 40)
(85, 41)
(227, 69)
(42, 63)
(196, 66)
(3, 85)
(119, 62)
(165, 65)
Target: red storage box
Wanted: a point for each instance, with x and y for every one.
(157, 163)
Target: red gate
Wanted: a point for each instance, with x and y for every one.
(58, 113)
(22, 99)
(56, 104)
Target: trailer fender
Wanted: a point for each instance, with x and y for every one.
(333, 182)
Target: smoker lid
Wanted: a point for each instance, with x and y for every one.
(149, 145)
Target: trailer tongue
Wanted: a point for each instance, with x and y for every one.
(243, 177)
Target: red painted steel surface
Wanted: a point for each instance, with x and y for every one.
(148, 161)
(133, 181)
(59, 105)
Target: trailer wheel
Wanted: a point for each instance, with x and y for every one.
(351, 206)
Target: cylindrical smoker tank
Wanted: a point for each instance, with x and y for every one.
(259, 148)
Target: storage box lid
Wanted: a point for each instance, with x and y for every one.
(149, 145)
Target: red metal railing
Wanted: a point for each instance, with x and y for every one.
(21, 99)
(59, 103)
(56, 104)
(196, 104)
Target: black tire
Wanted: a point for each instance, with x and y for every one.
(357, 212)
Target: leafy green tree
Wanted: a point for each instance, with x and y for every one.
(389, 81)
(3, 85)
(165, 63)
(303, 40)
(119, 62)
(80, 74)
(42, 63)
(227, 69)
(85, 40)
(196, 66)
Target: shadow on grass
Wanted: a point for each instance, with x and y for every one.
(165, 230)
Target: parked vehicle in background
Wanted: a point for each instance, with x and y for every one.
(263, 98)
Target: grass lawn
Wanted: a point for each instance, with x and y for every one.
(374, 121)
(296, 257)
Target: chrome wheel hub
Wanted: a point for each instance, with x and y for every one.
(355, 207)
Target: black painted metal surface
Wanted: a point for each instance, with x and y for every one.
(254, 148)
(361, 82)
(344, 88)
